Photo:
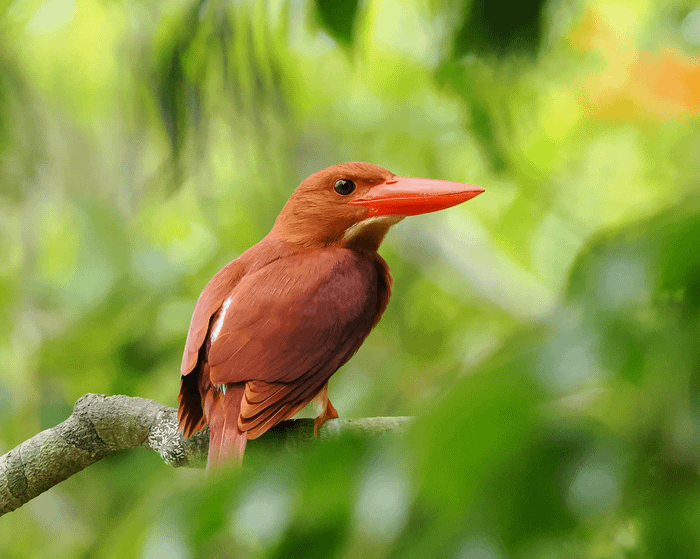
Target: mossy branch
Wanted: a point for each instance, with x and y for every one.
(102, 424)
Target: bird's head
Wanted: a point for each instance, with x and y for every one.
(354, 204)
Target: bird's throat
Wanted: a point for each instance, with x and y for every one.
(369, 233)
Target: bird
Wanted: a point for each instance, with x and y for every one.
(273, 325)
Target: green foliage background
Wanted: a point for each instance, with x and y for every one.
(545, 335)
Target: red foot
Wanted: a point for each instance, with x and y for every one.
(329, 412)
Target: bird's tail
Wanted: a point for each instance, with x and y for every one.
(226, 441)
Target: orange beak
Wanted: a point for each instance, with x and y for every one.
(409, 196)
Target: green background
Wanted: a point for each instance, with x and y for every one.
(545, 335)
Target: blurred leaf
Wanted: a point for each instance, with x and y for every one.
(338, 17)
(177, 89)
(493, 28)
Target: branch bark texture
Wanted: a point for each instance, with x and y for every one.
(102, 424)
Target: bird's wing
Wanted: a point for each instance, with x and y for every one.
(289, 326)
(208, 304)
(190, 413)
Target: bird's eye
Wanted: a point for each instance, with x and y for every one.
(344, 187)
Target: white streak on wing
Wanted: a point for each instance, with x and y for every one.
(220, 320)
(222, 388)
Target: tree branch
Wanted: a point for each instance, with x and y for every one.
(102, 424)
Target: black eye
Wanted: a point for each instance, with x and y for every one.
(344, 186)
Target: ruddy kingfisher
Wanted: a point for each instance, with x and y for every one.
(273, 325)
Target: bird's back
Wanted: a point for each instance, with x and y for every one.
(274, 327)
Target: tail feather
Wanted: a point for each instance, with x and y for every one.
(190, 416)
(226, 441)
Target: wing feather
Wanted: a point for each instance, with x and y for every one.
(291, 325)
(208, 304)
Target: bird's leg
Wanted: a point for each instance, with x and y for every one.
(327, 409)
